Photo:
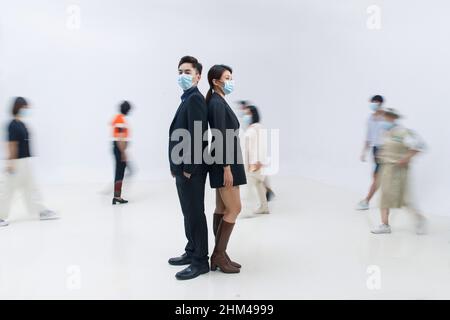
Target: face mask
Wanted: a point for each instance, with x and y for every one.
(185, 81)
(240, 112)
(374, 106)
(247, 119)
(25, 112)
(228, 87)
(386, 125)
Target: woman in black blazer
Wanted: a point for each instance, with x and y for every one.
(226, 173)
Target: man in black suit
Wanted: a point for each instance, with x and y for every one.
(186, 144)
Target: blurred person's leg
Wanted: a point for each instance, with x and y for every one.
(419, 218)
(364, 204)
(373, 187)
(119, 175)
(118, 181)
(32, 195)
(384, 227)
(257, 182)
(412, 207)
(389, 198)
(10, 187)
(269, 194)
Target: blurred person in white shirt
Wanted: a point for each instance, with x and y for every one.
(374, 141)
(255, 158)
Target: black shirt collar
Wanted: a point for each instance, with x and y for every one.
(188, 92)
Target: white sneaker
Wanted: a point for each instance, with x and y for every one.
(261, 210)
(48, 215)
(3, 223)
(362, 205)
(381, 229)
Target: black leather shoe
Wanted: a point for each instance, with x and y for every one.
(193, 271)
(180, 261)
(119, 200)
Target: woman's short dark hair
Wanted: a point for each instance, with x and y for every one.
(18, 104)
(195, 64)
(255, 114)
(125, 107)
(377, 98)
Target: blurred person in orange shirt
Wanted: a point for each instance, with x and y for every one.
(121, 135)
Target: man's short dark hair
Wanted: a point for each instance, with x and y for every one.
(18, 104)
(125, 107)
(195, 64)
(377, 98)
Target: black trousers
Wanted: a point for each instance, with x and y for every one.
(191, 193)
(120, 170)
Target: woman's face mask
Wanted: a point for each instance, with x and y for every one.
(387, 125)
(247, 119)
(228, 87)
(25, 112)
(374, 106)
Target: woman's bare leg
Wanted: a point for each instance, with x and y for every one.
(231, 198)
(220, 205)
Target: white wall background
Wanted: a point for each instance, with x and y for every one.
(309, 65)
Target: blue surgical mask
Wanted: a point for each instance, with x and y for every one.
(247, 119)
(374, 106)
(386, 125)
(228, 87)
(25, 112)
(241, 113)
(185, 81)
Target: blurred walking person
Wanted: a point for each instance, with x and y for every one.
(373, 142)
(240, 112)
(121, 134)
(19, 175)
(255, 158)
(400, 145)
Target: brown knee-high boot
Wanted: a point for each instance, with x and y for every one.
(217, 218)
(219, 257)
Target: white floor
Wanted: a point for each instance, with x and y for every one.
(313, 245)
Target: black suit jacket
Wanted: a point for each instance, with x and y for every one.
(192, 110)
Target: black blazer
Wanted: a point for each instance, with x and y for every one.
(222, 118)
(192, 109)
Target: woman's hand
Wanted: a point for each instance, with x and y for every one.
(123, 156)
(255, 167)
(407, 159)
(227, 177)
(404, 162)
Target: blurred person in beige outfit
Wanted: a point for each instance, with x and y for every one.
(255, 158)
(400, 145)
